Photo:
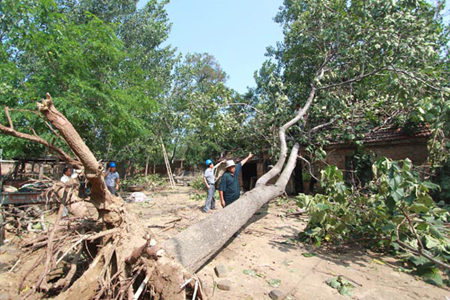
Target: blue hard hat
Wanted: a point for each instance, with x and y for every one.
(112, 165)
(208, 162)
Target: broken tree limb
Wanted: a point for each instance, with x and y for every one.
(37, 139)
(282, 134)
(109, 207)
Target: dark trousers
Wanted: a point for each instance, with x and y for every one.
(112, 189)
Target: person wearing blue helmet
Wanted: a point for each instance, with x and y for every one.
(112, 178)
(210, 180)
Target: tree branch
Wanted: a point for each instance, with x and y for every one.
(409, 74)
(309, 167)
(35, 138)
(286, 174)
(355, 79)
(282, 133)
(427, 256)
(9, 118)
(318, 127)
(43, 119)
(421, 250)
(246, 105)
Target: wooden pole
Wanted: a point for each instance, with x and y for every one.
(146, 165)
(169, 170)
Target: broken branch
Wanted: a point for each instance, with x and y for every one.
(9, 118)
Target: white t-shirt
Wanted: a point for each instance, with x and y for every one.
(66, 178)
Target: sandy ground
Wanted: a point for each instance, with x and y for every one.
(265, 251)
(265, 256)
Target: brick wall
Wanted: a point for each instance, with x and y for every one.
(414, 149)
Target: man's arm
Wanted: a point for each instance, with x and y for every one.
(106, 173)
(222, 200)
(250, 155)
(206, 182)
(216, 166)
(117, 183)
(222, 187)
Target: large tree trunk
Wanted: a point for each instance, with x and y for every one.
(197, 244)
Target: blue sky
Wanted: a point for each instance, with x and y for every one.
(235, 32)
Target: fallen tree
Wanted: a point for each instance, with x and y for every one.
(115, 257)
(126, 259)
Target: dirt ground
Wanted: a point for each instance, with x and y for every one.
(265, 252)
(265, 256)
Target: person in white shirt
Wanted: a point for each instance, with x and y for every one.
(209, 179)
(67, 175)
(302, 121)
(297, 110)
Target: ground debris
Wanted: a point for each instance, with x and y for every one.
(221, 271)
(224, 285)
(277, 295)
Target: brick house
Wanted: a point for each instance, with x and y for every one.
(392, 143)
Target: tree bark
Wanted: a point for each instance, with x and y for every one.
(146, 165)
(282, 134)
(194, 246)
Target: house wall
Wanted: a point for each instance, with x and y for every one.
(414, 149)
(7, 166)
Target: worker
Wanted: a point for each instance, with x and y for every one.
(301, 123)
(297, 110)
(210, 180)
(67, 175)
(112, 179)
(229, 189)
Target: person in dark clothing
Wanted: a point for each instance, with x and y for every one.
(229, 185)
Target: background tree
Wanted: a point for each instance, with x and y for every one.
(107, 66)
(190, 116)
(383, 62)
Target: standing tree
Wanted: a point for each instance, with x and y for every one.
(189, 118)
(104, 62)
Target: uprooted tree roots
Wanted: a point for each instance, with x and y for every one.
(80, 259)
(105, 255)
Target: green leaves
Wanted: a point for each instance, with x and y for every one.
(397, 207)
(344, 287)
(274, 282)
(308, 254)
(92, 62)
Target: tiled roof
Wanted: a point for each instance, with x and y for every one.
(394, 134)
(389, 135)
